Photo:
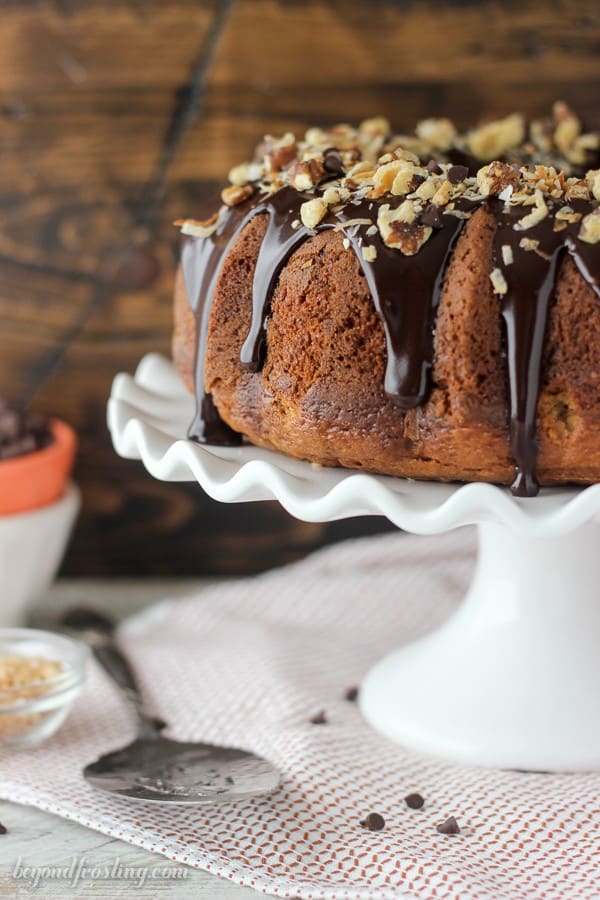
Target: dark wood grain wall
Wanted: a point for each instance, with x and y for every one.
(117, 117)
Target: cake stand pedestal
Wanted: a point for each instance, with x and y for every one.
(512, 679)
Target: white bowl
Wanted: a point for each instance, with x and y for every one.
(31, 549)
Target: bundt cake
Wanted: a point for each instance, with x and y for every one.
(422, 305)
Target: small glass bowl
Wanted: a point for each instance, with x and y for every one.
(32, 712)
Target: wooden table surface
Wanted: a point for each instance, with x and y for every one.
(39, 839)
(116, 118)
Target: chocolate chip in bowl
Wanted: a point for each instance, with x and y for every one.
(22, 432)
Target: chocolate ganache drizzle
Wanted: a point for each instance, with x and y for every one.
(405, 291)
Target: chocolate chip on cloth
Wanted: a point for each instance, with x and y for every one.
(414, 801)
(373, 822)
(351, 695)
(3, 829)
(21, 432)
(319, 718)
(450, 826)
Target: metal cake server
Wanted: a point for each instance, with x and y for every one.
(155, 768)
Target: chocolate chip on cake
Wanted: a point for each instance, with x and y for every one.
(450, 826)
(456, 174)
(373, 822)
(332, 162)
(432, 216)
(319, 718)
(351, 694)
(3, 829)
(414, 801)
(434, 167)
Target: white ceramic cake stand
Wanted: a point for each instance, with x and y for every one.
(513, 677)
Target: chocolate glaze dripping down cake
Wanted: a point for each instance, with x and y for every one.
(402, 221)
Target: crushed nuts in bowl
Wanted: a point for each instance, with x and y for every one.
(40, 675)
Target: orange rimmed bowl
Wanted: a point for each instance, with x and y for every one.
(37, 479)
(38, 506)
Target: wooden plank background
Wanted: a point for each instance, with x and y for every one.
(116, 117)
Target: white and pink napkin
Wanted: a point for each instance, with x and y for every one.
(250, 663)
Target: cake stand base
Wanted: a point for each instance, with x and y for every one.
(512, 679)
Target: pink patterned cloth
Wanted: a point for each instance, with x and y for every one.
(249, 663)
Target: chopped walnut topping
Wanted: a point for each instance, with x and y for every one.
(369, 253)
(305, 175)
(576, 189)
(507, 255)
(496, 138)
(590, 227)
(378, 126)
(537, 214)
(235, 194)
(399, 229)
(568, 127)
(279, 153)
(438, 133)
(386, 175)
(498, 282)
(494, 178)
(312, 212)
(333, 195)
(593, 180)
(531, 244)
(443, 194)
(426, 190)
(195, 228)
(567, 214)
(343, 165)
(240, 175)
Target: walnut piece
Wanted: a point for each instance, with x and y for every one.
(196, 228)
(438, 133)
(593, 180)
(494, 139)
(590, 227)
(279, 153)
(399, 229)
(369, 253)
(495, 178)
(235, 194)
(312, 212)
(306, 174)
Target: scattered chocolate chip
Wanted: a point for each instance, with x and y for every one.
(450, 826)
(351, 694)
(159, 723)
(228, 779)
(319, 718)
(3, 829)
(373, 822)
(332, 161)
(433, 168)
(432, 216)
(414, 182)
(456, 174)
(414, 801)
